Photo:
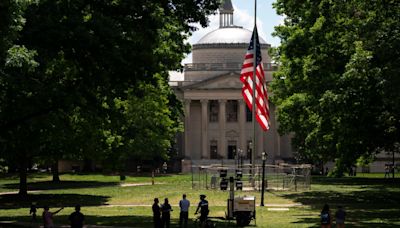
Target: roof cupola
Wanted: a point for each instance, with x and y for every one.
(226, 14)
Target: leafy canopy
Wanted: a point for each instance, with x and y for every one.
(337, 88)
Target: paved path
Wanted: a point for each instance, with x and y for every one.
(16, 192)
(138, 184)
(121, 185)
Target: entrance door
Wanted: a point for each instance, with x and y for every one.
(231, 151)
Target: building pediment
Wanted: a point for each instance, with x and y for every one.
(224, 81)
(232, 134)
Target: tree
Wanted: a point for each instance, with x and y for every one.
(133, 131)
(338, 80)
(74, 59)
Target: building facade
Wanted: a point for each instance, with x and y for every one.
(217, 123)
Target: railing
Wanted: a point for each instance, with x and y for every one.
(224, 66)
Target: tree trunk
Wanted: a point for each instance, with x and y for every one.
(87, 165)
(23, 186)
(393, 165)
(54, 170)
(339, 169)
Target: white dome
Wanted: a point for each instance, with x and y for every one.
(228, 35)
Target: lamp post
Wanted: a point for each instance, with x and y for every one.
(249, 150)
(241, 158)
(240, 163)
(264, 158)
(234, 154)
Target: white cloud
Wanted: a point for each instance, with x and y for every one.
(281, 20)
(245, 19)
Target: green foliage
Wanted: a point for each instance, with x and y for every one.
(142, 126)
(72, 73)
(21, 57)
(338, 84)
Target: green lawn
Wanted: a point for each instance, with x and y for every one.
(370, 200)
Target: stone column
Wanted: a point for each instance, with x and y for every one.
(187, 152)
(242, 125)
(204, 129)
(222, 122)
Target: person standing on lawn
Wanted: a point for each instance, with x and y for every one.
(166, 213)
(326, 217)
(340, 217)
(156, 214)
(33, 211)
(184, 204)
(76, 218)
(48, 217)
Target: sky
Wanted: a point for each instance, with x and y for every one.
(243, 15)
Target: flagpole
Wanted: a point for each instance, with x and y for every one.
(254, 89)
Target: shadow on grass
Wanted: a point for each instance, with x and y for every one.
(14, 201)
(374, 204)
(352, 181)
(355, 199)
(49, 185)
(127, 221)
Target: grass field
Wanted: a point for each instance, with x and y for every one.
(370, 200)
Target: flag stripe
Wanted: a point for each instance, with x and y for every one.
(246, 77)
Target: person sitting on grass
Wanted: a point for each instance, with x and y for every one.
(48, 217)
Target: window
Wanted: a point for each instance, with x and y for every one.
(249, 116)
(232, 111)
(213, 111)
(213, 149)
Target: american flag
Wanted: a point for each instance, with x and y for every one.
(262, 108)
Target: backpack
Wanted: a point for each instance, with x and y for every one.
(325, 218)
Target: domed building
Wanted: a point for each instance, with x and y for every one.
(218, 124)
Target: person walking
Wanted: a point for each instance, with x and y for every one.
(166, 213)
(48, 217)
(325, 217)
(184, 205)
(76, 218)
(203, 207)
(340, 217)
(156, 214)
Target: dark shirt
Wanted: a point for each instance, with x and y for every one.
(156, 211)
(166, 209)
(340, 214)
(76, 219)
(203, 204)
(325, 217)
